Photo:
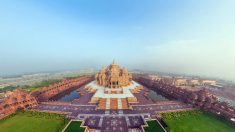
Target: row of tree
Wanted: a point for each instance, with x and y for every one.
(44, 115)
(177, 115)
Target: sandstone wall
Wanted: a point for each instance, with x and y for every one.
(200, 99)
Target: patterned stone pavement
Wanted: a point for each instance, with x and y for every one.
(112, 120)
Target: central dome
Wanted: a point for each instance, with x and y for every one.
(113, 76)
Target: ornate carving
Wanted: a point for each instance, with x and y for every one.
(113, 76)
(18, 99)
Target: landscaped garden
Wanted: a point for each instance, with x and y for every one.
(195, 121)
(33, 122)
(74, 126)
(153, 126)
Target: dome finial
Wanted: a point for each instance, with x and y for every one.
(114, 61)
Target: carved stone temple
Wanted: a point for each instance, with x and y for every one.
(113, 88)
(113, 76)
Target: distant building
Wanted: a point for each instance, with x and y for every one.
(191, 82)
(155, 77)
(180, 82)
(195, 82)
(208, 82)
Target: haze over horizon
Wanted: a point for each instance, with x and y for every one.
(184, 37)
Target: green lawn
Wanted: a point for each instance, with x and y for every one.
(153, 126)
(31, 89)
(1, 95)
(25, 122)
(201, 122)
(74, 126)
(7, 88)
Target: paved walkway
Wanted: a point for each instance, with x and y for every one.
(74, 109)
(112, 120)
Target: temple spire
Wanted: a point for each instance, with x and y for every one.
(114, 61)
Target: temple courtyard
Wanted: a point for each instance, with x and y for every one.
(139, 117)
(110, 102)
(136, 118)
(105, 117)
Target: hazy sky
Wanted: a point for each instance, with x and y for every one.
(177, 36)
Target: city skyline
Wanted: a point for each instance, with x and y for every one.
(185, 37)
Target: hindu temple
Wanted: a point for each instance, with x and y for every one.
(113, 76)
(113, 85)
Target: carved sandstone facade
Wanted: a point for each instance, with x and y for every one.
(113, 76)
(202, 99)
(18, 99)
(53, 90)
